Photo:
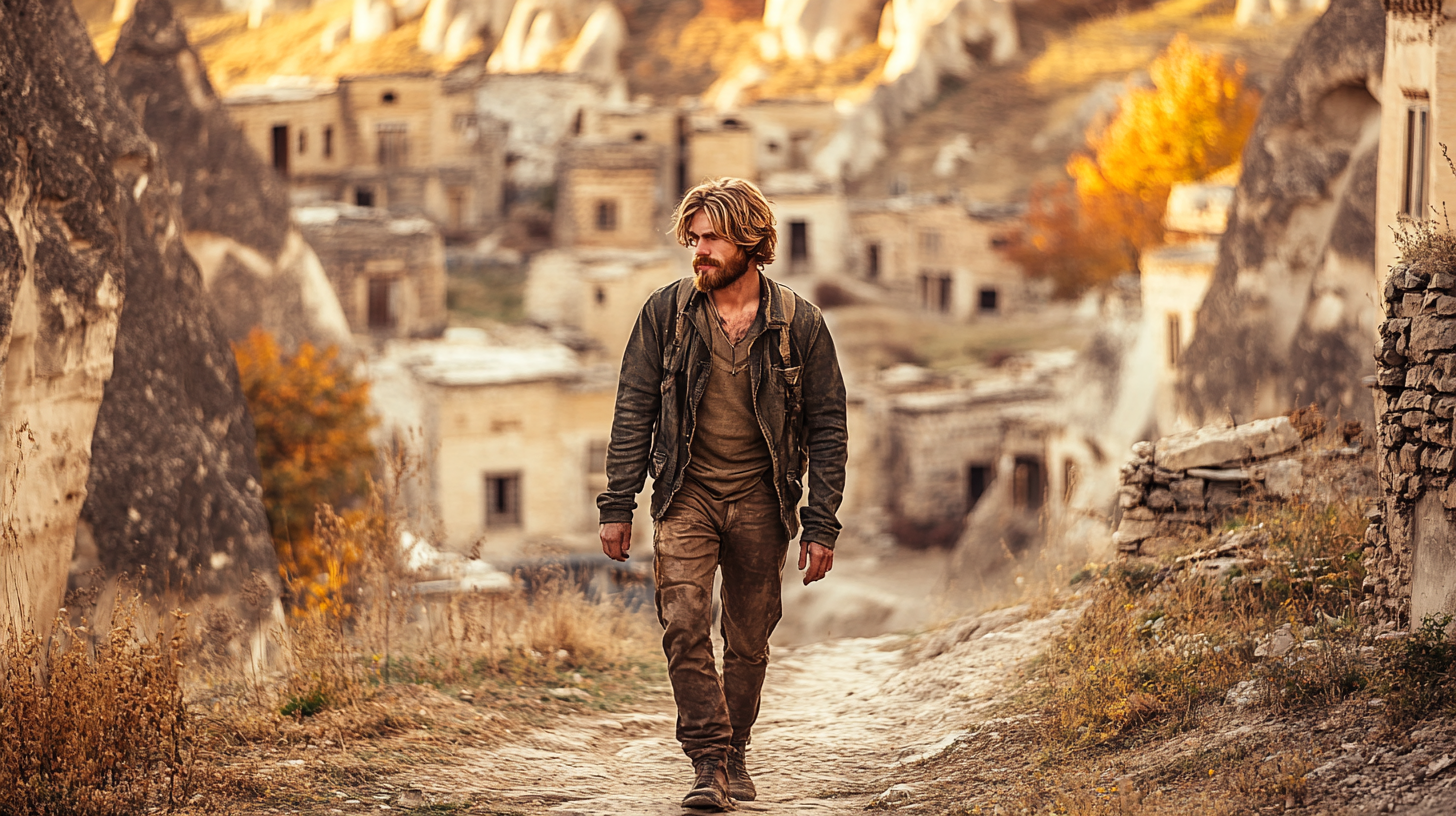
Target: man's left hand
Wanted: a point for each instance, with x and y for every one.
(818, 558)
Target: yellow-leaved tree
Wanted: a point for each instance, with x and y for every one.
(313, 423)
(1193, 121)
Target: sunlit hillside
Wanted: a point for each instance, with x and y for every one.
(1009, 125)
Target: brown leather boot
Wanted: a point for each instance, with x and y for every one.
(710, 789)
(740, 784)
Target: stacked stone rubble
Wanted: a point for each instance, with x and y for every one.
(1415, 399)
(1179, 487)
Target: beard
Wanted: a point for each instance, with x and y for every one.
(720, 275)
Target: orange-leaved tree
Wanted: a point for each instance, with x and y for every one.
(313, 422)
(1193, 121)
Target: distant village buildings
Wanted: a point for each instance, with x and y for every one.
(384, 170)
(1175, 278)
(388, 273)
(942, 256)
(412, 144)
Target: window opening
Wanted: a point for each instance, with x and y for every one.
(502, 499)
(1028, 486)
(1175, 339)
(978, 481)
(393, 144)
(798, 241)
(1417, 158)
(606, 215)
(987, 299)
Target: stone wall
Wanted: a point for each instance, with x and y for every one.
(1411, 535)
(1183, 485)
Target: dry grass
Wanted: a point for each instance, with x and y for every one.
(1155, 644)
(93, 725)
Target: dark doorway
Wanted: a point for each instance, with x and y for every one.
(381, 303)
(280, 149)
(978, 481)
(363, 197)
(872, 269)
(988, 300)
(1028, 488)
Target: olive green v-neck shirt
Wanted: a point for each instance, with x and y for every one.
(729, 455)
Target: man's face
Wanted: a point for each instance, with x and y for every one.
(717, 261)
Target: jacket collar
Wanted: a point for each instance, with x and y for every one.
(774, 314)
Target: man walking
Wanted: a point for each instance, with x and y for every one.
(730, 395)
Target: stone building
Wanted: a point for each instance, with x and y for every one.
(720, 146)
(517, 436)
(1420, 69)
(413, 144)
(941, 256)
(613, 247)
(610, 195)
(389, 273)
(1175, 277)
(926, 450)
(638, 124)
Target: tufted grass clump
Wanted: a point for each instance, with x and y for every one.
(93, 725)
(1159, 639)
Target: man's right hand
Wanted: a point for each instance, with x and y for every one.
(616, 540)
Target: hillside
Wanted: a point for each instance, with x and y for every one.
(1004, 128)
(1022, 119)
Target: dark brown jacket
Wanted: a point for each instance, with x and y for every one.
(797, 390)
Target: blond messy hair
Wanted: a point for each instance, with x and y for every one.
(738, 212)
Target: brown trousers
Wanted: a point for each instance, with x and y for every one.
(694, 538)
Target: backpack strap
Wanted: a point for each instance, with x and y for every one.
(791, 304)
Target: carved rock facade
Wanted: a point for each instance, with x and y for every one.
(255, 264)
(166, 486)
(1292, 306)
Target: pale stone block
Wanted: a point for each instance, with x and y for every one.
(1208, 447)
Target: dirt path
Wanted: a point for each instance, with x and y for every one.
(837, 719)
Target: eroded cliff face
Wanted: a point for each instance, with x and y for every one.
(255, 265)
(1290, 316)
(158, 462)
(81, 207)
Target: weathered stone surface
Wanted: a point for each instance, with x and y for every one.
(1187, 492)
(1129, 497)
(1431, 336)
(1211, 446)
(1160, 499)
(1443, 281)
(1140, 514)
(1284, 478)
(1132, 531)
(170, 472)
(256, 266)
(76, 218)
(1298, 324)
(1223, 497)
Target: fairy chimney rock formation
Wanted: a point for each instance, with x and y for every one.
(1291, 310)
(255, 264)
(153, 470)
(152, 473)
